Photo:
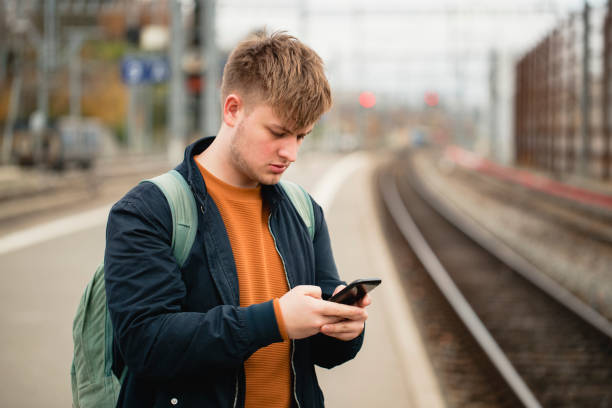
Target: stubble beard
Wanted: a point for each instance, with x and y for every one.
(237, 146)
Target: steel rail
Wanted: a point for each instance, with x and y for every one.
(515, 261)
(438, 273)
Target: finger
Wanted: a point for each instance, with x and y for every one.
(344, 336)
(339, 288)
(345, 326)
(343, 331)
(364, 301)
(345, 311)
(309, 290)
(327, 320)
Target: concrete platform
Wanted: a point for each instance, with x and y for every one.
(392, 369)
(41, 287)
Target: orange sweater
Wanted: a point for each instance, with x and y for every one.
(261, 277)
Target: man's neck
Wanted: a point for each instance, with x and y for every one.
(216, 160)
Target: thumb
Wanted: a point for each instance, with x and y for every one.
(309, 290)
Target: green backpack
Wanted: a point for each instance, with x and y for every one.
(93, 383)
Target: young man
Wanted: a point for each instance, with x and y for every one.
(244, 320)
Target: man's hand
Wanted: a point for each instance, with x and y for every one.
(348, 329)
(305, 313)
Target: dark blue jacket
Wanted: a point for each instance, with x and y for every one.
(180, 331)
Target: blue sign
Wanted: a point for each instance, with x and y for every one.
(140, 70)
(159, 70)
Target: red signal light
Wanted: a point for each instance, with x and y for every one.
(367, 99)
(431, 99)
(194, 83)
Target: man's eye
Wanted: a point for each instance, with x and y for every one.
(279, 135)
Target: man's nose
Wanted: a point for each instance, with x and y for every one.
(289, 149)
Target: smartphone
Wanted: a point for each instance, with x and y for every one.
(355, 291)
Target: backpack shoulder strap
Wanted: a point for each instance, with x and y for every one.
(302, 203)
(184, 212)
(93, 381)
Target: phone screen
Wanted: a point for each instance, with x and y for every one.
(355, 291)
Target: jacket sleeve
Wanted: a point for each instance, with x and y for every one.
(328, 351)
(145, 292)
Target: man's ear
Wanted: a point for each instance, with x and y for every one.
(232, 109)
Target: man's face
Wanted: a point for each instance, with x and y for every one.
(263, 147)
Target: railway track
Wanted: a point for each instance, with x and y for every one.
(549, 348)
(592, 222)
(57, 194)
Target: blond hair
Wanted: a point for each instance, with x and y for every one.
(282, 72)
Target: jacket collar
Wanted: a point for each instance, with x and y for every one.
(189, 170)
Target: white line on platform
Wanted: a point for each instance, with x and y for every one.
(412, 356)
(54, 229)
(324, 192)
(326, 189)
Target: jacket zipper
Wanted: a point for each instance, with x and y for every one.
(289, 286)
(292, 342)
(236, 393)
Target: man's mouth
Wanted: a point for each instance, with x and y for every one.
(279, 168)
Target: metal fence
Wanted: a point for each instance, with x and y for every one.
(563, 98)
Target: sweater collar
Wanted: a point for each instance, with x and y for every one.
(271, 194)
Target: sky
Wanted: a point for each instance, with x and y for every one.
(402, 49)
